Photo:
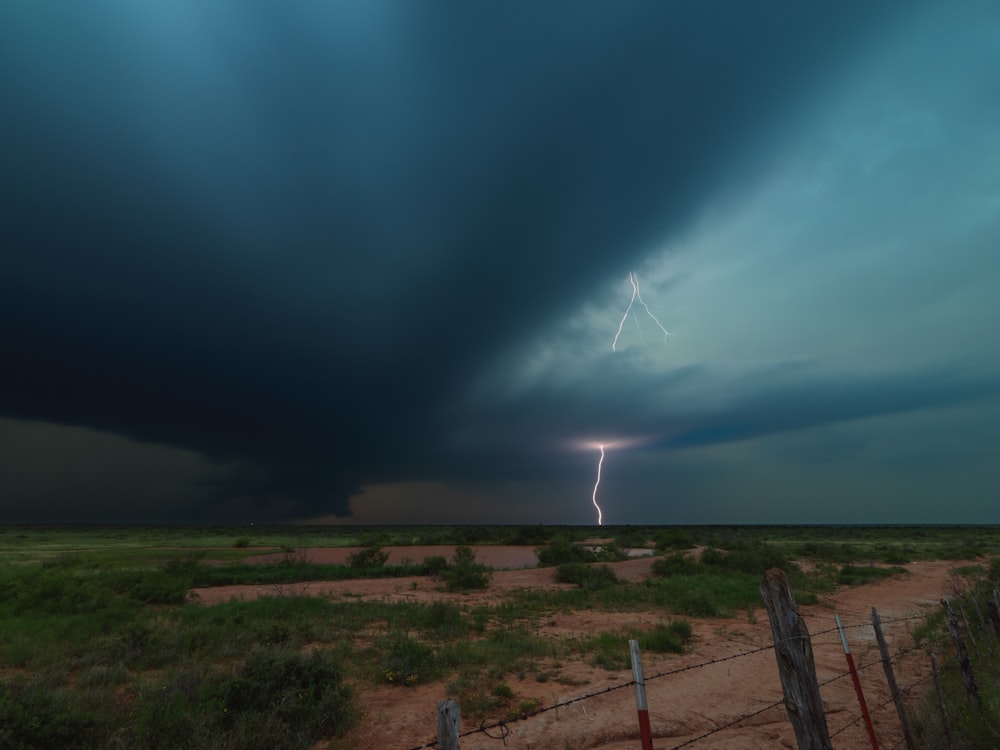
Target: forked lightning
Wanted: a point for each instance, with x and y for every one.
(637, 295)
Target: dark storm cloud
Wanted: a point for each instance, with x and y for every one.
(289, 237)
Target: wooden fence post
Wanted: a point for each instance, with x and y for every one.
(968, 677)
(857, 684)
(449, 718)
(994, 617)
(890, 676)
(968, 628)
(982, 621)
(645, 731)
(793, 651)
(940, 695)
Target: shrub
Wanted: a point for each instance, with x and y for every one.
(854, 575)
(156, 587)
(407, 662)
(562, 550)
(611, 552)
(630, 538)
(369, 557)
(674, 539)
(434, 565)
(503, 691)
(294, 697)
(676, 564)
(33, 716)
(530, 535)
(465, 574)
(443, 620)
(747, 558)
(610, 650)
(668, 638)
(586, 576)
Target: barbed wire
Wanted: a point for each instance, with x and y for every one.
(881, 705)
(732, 723)
(719, 660)
(503, 724)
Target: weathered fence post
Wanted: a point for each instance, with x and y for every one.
(994, 617)
(940, 695)
(449, 718)
(793, 651)
(963, 656)
(890, 677)
(645, 731)
(968, 628)
(982, 621)
(857, 684)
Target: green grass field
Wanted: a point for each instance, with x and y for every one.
(100, 645)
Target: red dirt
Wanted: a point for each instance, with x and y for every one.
(683, 705)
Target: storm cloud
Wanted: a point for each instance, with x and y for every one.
(329, 247)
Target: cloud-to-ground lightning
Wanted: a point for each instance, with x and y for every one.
(636, 295)
(604, 445)
(593, 497)
(633, 279)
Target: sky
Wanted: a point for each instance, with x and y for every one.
(366, 262)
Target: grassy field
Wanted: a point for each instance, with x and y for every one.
(100, 645)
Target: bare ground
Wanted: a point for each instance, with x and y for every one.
(684, 705)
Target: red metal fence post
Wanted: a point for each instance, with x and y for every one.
(857, 684)
(645, 731)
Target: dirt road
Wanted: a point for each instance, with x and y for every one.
(684, 705)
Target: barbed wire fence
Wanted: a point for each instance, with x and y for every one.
(500, 730)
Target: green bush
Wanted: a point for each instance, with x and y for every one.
(611, 552)
(369, 557)
(443, 620)
(586, 575)
(407, 661)
(854, 575)
(465, 574)
(292, 698)
(677, 564)
(561, 550)
(629, 537)
(34, 716)
(610, 649)
(667, 638)
(527, 535)
(674, 539)
(706, 594)
(434, 565)
(154, 586)
(752, 558)
(503, 691)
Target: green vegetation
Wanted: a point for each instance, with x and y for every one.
(854, 575)
(369, 557)
(972, 723)
(562, 549)
(102, 645)
(465, 574)
(586, 576)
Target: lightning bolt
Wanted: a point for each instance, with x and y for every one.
(636, 295)
(597, 484)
